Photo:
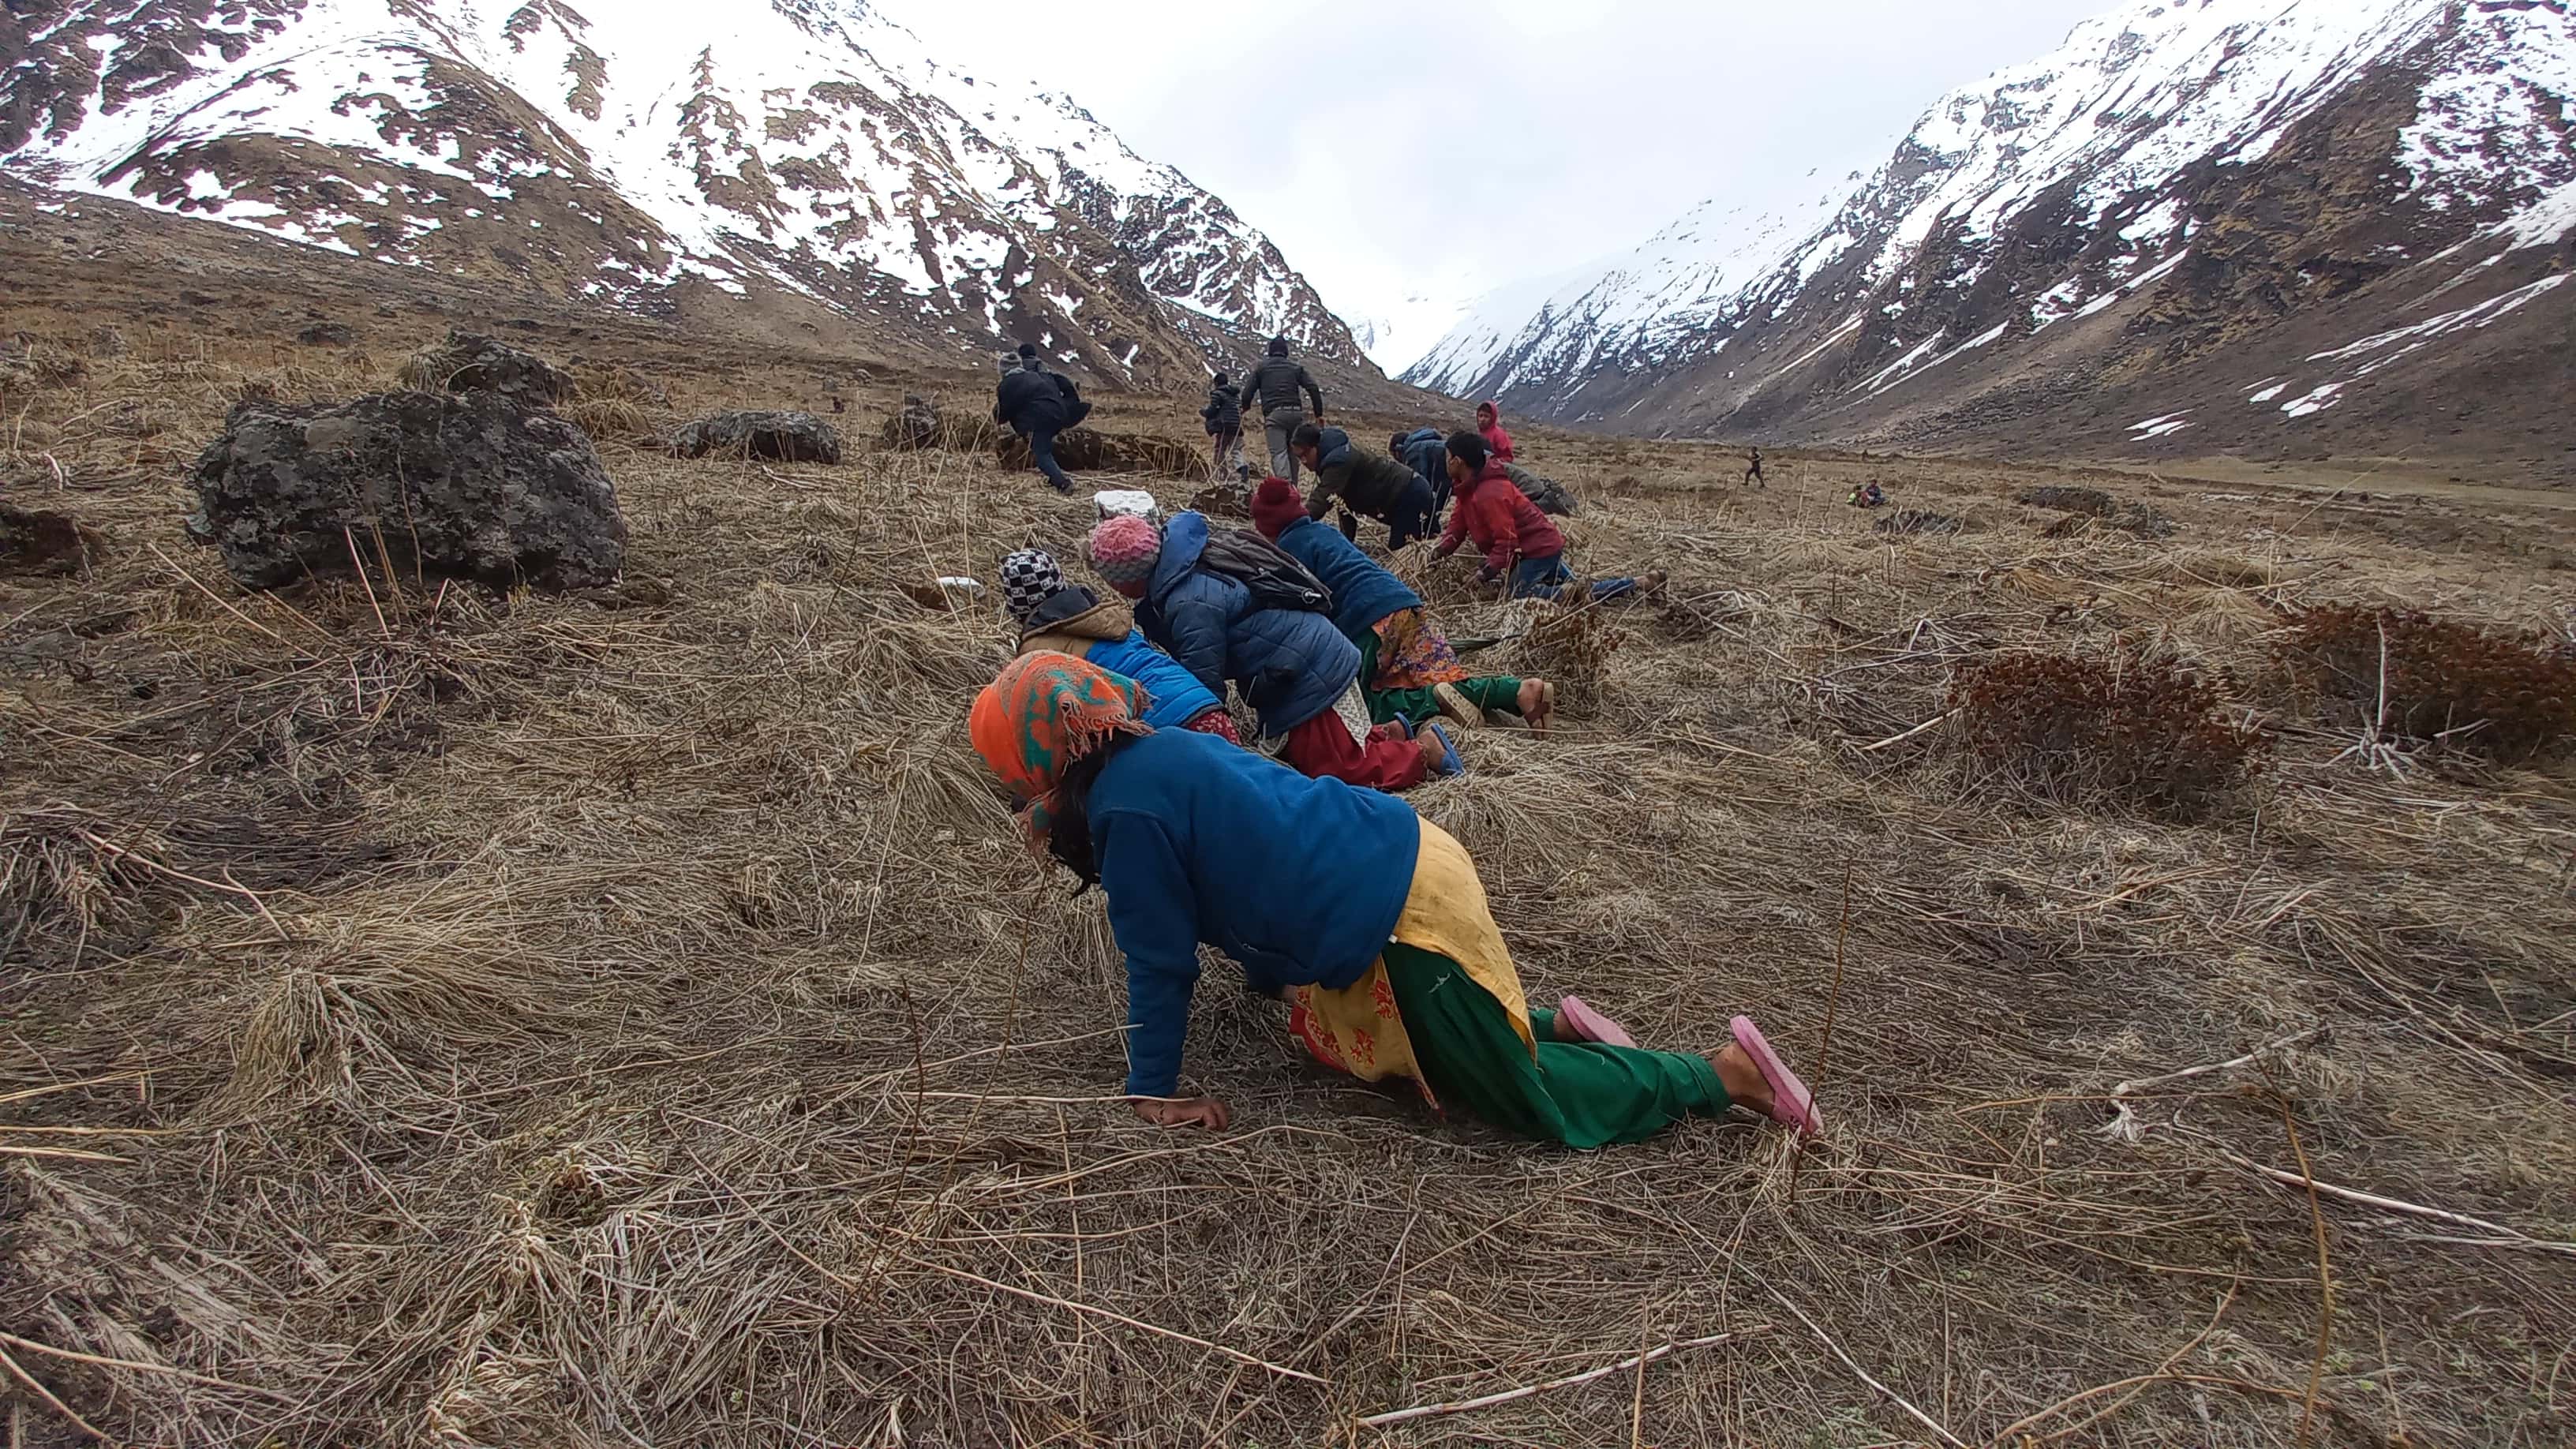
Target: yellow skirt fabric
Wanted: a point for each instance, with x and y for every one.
(1357, 1029)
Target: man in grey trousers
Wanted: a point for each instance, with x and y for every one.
(1272, 391)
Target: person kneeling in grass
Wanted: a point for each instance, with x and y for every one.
(1407, 668)
(1522, 550)
(1233, 608)
(1366, 918)
(1061, 618)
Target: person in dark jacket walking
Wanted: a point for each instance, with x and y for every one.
(1038, 404)
(1753, 473)
(1224, 417)
(1522, 548)
(1363, 483)
(1426, 452)
(1293, 666)
(1407, 668)
(1271, 393)
(1368, 920)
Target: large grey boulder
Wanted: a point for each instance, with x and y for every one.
(787, 437)
(472, 486)
(472, 362)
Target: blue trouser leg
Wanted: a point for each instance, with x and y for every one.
(1409, 517)
(1539, 578)
(1545, 578)
(1042, 448)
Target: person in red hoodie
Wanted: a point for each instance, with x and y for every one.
(1521, 546)
(1489, 426)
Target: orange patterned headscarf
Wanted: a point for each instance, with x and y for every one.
(1044, 712)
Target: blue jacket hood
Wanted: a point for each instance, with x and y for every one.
(1185, 537)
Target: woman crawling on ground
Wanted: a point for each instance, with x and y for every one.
(1368, 919)
(1408, 670)
(1062, 618)
(1192, 587)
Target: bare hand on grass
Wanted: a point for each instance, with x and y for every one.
(1184, 1112)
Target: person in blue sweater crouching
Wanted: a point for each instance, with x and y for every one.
(1366, 918)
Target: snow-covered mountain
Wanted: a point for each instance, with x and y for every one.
(2226, 210)
(631, 149)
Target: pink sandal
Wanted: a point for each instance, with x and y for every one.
(1592, 1026)
(1791, 1103)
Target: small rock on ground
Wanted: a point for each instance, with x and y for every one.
(784, 436)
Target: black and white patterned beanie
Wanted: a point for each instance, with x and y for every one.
(1029, 578)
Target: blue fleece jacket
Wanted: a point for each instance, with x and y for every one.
(1299, 880)
(1363, 593)
(1290, 664)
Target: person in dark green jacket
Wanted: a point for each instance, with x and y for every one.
(1363, 482)
(1369, 920)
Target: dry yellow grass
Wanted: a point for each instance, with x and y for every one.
(440, 1019)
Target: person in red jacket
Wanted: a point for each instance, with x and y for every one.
(1521, 546)
(1489, 426)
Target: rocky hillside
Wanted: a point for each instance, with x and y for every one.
(2282, 228)
(771, 150)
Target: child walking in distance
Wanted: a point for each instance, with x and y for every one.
(1753, 472)
(1407, 668)
(1367, 919)
(1522, 549)
(1061, 618)
(1232, 607)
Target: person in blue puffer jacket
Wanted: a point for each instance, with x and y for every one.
(1064, 618)
(1292, 665)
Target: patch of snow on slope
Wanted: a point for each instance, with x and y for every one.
(2315, 401)
(2422, 334)
(2496, 131)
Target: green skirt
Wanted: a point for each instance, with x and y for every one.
(1578, 1093)
(1498, 693)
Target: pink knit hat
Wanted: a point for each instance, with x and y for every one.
(1124, 549)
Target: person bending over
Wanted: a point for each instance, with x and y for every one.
(1038, 404)
(1060, 618)
(1195, 598)
(1522, 549)
(1407, 668)
(1369, 920)
(1363, 483)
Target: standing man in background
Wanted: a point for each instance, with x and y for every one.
(1753, 474)
(1038, 404)
(1272, 391)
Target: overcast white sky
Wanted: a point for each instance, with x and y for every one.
(1410, 155)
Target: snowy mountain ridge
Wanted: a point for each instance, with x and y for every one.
(625, 150)
(2379, 135)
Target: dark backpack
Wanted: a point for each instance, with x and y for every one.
(1273, 575)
